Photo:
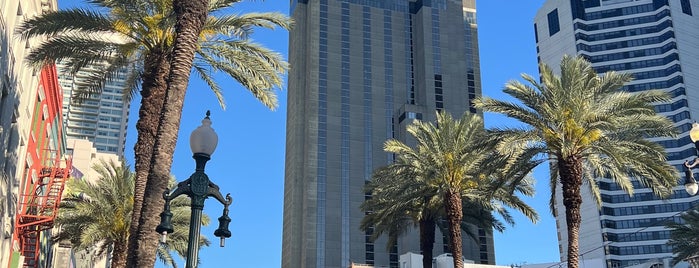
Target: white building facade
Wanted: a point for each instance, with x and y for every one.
(18, 90)
(657, 41)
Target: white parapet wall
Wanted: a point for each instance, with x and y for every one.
(414, 260)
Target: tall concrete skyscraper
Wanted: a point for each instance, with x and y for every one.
(362, 71)
(102, 118)
(658, 42)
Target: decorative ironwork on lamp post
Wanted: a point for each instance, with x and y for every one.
(198, 187)
(690, 184)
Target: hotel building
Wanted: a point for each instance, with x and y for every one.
(658, 42)
(363, 70)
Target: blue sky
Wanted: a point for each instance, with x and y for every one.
(249, 160)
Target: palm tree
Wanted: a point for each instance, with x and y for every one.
(683, 237)
(588, 128)
(449, 167)
(138, 36)
(96, 213)
(399, 202)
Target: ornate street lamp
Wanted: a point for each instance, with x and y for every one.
(690, 184)
(198, 187)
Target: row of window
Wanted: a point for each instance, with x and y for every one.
(625, 55)
(409, 59)
(74, 116)
(104, 125)
(618, 12)
(471, 85)
(438, 94)
(681, 155)
(646, 209)
(659, 85)
(322, 135)
(669, 107)
(388, 75)
(638, 197)
(627, 43)
(640, 236)
(611, 186)
(107, 141)
(105, 148)
(637, 250)
(640, 223)
(625, 66)
(624, 22)
(624, 33)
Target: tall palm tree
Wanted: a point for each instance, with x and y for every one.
(399, 202)
(449, 167)
(96, 213)
(683, 237)
(138, 36)
(588, 128)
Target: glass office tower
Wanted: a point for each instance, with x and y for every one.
(361, 71)
(657, 41)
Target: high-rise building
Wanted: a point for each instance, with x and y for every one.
(656, 41)
(362, 71)
(101, 118)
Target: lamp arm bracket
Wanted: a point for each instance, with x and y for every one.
(692, 164)
(214, 192)
(182, 188)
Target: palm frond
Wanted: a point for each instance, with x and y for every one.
(65, 21)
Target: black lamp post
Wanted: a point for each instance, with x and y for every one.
(198, 187)
(690, 184)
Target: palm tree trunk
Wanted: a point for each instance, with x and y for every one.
(119, 254)
(570, 170)
(157, 67)
(427, 227)
(452, 199)
(191, 16)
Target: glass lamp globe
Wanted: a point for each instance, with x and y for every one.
(694, 132)
(203, 139)
(691, 188)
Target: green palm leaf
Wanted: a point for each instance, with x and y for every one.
(587, 128)
(95, 215)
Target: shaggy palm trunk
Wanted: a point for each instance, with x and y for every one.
(157, 67)
(570, 170)
(452, 199)
(191, 16)
(427, 227)
(119, 254)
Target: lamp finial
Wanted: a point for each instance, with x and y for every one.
(208, 113)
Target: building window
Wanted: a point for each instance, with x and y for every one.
(536, 34)
(554, 27)
(686, 7)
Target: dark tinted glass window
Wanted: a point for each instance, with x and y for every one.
(554, 27)
(686, 7)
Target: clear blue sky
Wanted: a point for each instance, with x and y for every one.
(249, 160)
